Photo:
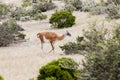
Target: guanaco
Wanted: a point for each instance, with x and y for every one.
(51, 37)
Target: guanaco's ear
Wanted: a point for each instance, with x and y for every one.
(67, 33)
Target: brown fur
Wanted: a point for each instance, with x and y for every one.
(51, 36)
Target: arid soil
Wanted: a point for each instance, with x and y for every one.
(21, 61)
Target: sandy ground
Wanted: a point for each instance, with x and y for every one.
(22, 61)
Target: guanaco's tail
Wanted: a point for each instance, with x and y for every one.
(38, 35)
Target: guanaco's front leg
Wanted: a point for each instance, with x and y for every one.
(51, 42)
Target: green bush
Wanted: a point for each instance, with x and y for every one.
(62, 19)
(26, 4)
(9, 32)
(61, 69)
(50, 78)
(1, 78)
(104, 65)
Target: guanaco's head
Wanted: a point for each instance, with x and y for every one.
(67, 33)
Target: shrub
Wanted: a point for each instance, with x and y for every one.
(9, 32)
(87, 5)
(26, 15)
(44, 6)
(112, 11)
(77, 4)
(72, 48)
(61, 69)
(39, 16)
(1, 78)
(26, 4)
(3, 10)
(62, 19)
(91, 41)
(18, 13)
(69, 8)
(98, 10)
(114, 1)
(51, 78)
(104, 65)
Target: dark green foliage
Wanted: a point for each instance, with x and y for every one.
(67, 63)
(62, 19)
(65, 75)
(9, 32)
(50, 78)
(61, 69)
(1, 78)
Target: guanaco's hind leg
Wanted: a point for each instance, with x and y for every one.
(41, 39)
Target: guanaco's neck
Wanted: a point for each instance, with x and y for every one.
(61, 37)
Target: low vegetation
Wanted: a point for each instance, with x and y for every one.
(104, 65)
(1, 78)
(76, 4)
(4, 9)
(9, 32)
(111, 7)
(102, 54)
(26, 4)
(62, 19)
(45, 5)
(100, 47)
(91, 41)
(61, 69)
(117, 2)
(27, 14)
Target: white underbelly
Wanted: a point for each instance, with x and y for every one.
(45, 40)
